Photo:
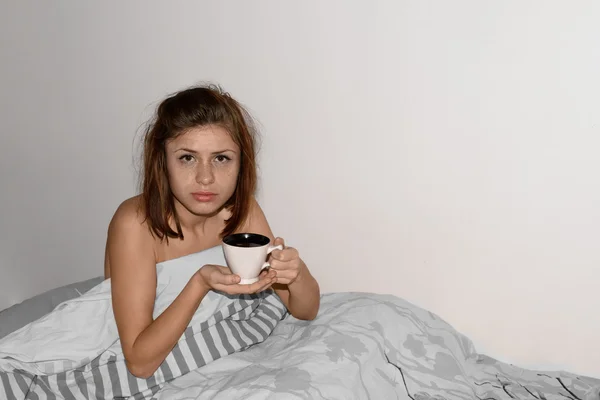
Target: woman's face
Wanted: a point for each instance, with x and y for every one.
(203, 166)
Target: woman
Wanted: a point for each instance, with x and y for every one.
(198, 185)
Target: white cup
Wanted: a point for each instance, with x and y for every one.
(246, 255)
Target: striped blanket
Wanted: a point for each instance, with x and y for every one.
(74, 352)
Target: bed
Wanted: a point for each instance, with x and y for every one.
(360, 346)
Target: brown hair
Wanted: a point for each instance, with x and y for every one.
(190, 108)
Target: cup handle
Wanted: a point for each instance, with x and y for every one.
(269, 250)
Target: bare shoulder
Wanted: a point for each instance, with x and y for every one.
(129, 224)
(128, 237)
(129, 215)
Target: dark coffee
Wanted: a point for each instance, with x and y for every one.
(244, 244)
(246, 240)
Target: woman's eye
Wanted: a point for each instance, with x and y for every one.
(222, 158)
(186, 158)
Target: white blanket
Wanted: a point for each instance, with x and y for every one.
(80, 336)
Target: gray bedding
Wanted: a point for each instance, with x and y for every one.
(367, 346)
(361, 346)
(21, 314)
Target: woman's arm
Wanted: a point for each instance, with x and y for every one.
(131, 261)
(130, 251)
(302, 295)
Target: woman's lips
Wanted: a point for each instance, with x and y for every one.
(204, 196)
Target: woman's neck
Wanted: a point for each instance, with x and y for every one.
(190, 223)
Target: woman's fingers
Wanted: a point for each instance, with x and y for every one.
(263, 282)
(224, 270)
(260, 286)
(284, 277)
(285, 255)
(234, 288)
(277, 254)
(231, 279)
(263, 273)
(220, 275)
(281, 266)
(222, 279)
(279, 241)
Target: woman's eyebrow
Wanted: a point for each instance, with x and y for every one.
(223, 151)
(186, 149)
(195, 152)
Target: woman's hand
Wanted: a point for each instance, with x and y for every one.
(217, 277)
(286, 263)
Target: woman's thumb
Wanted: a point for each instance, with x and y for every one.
(279, 241)
(228, 279)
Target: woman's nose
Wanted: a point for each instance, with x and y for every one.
(205, 174)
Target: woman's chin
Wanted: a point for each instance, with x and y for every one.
(200, 208)
(206, 209)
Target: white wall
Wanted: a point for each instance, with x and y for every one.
(445, 152)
